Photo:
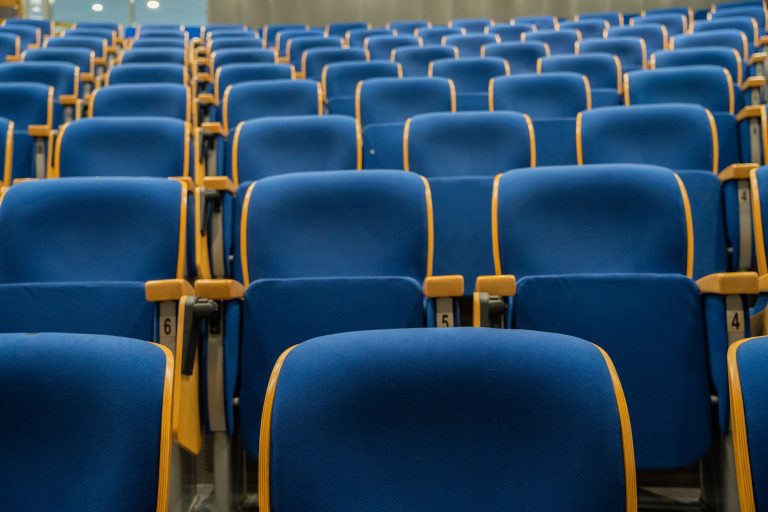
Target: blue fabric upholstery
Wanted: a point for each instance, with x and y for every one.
(415, 59)
(398, 440)
(471, 25)
(460, 154)
(341, 29)
(296, 48)
(146, 74)
(613, 18)
(221, 43)
(380, 47)
(756, 11)
(95, 44)
(357, 37)
(470, 45)
(561, 42)
(108, 34)
(27, 35)
(9, 45)
(655, 35)
(241, 56)
(89, 419)
(281, 43)
(154, 55)
(158, 42)
(45, 26)
(589, 28)
(541, 96)
(279, 145)
(555, 141)
(728, 38)
(541, 22)
(251, 100)
(630, 50)
(674, 23)
(231, 74)
(640, 320)
(644, 233)
(316, 59)
(471, 76)
(408, 27)
(80, 57)
(121, 147)
(136, 221)
(748, 363)
(711, 55)
(602, 69)
(26, 104)
(708, 86)
(435, 35)
(144, 100)
(59, 75)
(341, 78)
(522, 57)
(284, 211)
(745, 24)
(271, 31)
(511, 33)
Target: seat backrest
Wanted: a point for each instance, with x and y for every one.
(674, 23)
(728, 38)
(560, 41)
(153, 100)
(745, 24)
(158, 42)
(315, 59)
(550, 95)
(27, 35)
(470, 45)
(590, 28)
(522, 57)
(340, 79)
(613, 18)
(756, 11)
(357, 37)
(252, 100)
(10, 45)
(407, 27)
(27, 104)
(708, 86)
(241, 56)
(97, 44)
(435, 35)
(299, 225)
(505, 432)
(49, 227)
(470, 74)
(541, 22)
(270, 32)
(471, 25)
(80, 57)
(146, 74)
(62, 76)
(123, 147)
(46, 26)
(381, 47)
(297, 47)
(105, 33)
(415, 60)
(677, 136)
(341, 29)
(231, 74)
(727, 58)
(655, 35)
(114, 397)
(468, 143)
(393, 100)
(281, 145)
(605, 219)
(631, 51)
(759, 189)
(222, 43)
(156, 55)
(749, 417)
(602, 69)
(511, 33)
(284, 36)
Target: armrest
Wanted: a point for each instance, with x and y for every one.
(38, 130)
(206, 98)
(762, 40)
(209, 128)
(758, 56)
(167, 290)
(753, 82)
(749, 112)
(736, 172)
(762, 283)
(219, 289)
(220, 183)
(187, 180)
(503, 286)
(439, 287)
(730, 283)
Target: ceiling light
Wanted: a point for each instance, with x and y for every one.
(97, 7)
(153, 4)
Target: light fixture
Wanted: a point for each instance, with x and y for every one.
(153, 4)
(97, 7)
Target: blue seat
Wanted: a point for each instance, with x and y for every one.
(471, 25)
(221, 43)
(83, 58)
(655, 36)
(708, 86)
(158, 42)
(341, 29)
(231, 74)
(471, 76)
(357, 37)
(682, 57)
(460, 154)
(168, 29)
(154, 56)
(113, 395)
(297, 48)
(560, 42)
(46, 26)
(726, 38)
(383, 105)
(590, 29)
(147, 74)
(613, 18)
(123, 147)
(29, 37)
(745, 24)
(315, 59)
(241, 56)
(435, 35)
(108, 34)
(10, 47)
(511, 33)
(675, 24)
(479, 443)
(541, 22)
(470, 45)
(270, 32)
(30, 107)
(602, 69)
(631, 51)
(627, 283)
(97, 45)
(407, 27)
(746, 363)
(279, 145)
(142, 100)
(62, 76)
(381, 47)
(415, 60)
(523, 58)
(284, 36)
(340, 82)
(756, 11)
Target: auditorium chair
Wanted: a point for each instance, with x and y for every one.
(589, 29)
(602, 69)
(727, 58)
(221, 43)
(381, 47)
(159, 43)
(29, 37)
(341, 29)
(631, 51)
(340, 81)
(560, 42)
(153, 56)
(511, 33)
(356, 38)
(471, 25)
(281, 42)
(415, 60)
(10, 48)
(62, 76)
(435, 35)
(126, 74)
(471, 76)
(541, 22)
(315, 59)
(31, 108)
(745, 24)
(82, 58)
(726, 38)
(297, 47)
(470, 45)
(407, 27)
(270, 32)
(655, 36)
(675, 24)
(142, 100)
(522, 57)
(97, 45)
(46, 26)
(709, 86)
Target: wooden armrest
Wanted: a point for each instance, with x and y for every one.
(219, 289)
(737, 172)
(187, 180)
(213, 129)
(503, 286)
(753, 82)
(730, 283)
(220, 183)
(206, 98)
(438, 287)
(167, 290)
(38, 130)
(749, 112)
(757, 57)
(762, 283)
